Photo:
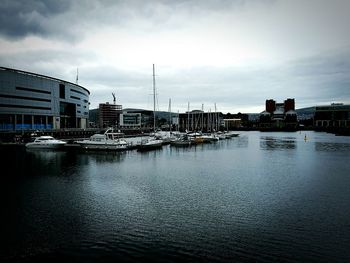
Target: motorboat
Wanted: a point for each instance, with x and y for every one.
(231, 134)
(103, 142)
(208, 138)
(150, 144)
(181, 142)
(45, 142)
(221, 136)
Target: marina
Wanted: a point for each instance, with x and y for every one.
(260, 197)
(175, 131)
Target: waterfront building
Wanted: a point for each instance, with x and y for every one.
(136, 118)
(30, 101)
(234, 121)
(336, 115)
(109, 114)
(279, 115)
(131, 120)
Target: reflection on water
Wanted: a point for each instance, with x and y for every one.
(273, 143)
(46, 156)
(102, 157)
(255, 198)
(332, 147)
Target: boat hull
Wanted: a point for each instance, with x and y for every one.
(45, 146)
(181, 143)
(103, 146)
(150, 146)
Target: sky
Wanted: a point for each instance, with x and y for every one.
(234, 54)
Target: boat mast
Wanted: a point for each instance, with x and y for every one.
(170, 120)
(188, 116)
(216, 119)
(154, 100)
(202, 120)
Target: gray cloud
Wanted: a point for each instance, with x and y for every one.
(325, 77)
(21, 18)
(69, 20)
(309, 79)
(312, 80)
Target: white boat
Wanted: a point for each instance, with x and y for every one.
(150, 144)
(210, 138)
(45, 142)
(231, 134)
(221, 136)
(181, 142)
(105, 141)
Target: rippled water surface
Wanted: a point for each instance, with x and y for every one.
(258, 197)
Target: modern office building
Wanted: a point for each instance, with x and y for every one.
(109, 114)
(30, 101)
(136, 118)
(336, 115)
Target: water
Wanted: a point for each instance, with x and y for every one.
(259, 197)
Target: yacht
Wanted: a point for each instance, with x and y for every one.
(150, 144)
(45, 142)
(105, 141)
(181, 141)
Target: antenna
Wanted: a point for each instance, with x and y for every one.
(76, 80)
(114, 100)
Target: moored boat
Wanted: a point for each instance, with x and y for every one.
(181, 142)
(105, 141)
(150, 144)
(45, 142)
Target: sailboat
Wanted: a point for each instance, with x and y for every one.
(152, 142)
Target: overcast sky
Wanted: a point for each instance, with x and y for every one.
(234, 53)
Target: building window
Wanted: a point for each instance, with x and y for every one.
(62, 91)
(24, 107)
(23, 98)
(33, 90)
(76, 91)
(73, 97)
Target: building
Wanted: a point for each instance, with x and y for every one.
(336, 115)
(109, 114)
(279, 115)
(234, 121)
(30, 101)
(136, 118)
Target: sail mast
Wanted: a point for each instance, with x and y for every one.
(154, 100)
(170, 120)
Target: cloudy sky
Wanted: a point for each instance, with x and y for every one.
(235, 53)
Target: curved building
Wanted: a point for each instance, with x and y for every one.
(33, 101)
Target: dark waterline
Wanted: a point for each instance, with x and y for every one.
(258, 197)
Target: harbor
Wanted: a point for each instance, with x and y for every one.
(261, 196)
(175, 131)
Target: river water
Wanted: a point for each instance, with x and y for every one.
(258, 197)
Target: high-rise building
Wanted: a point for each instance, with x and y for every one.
(109, 114)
